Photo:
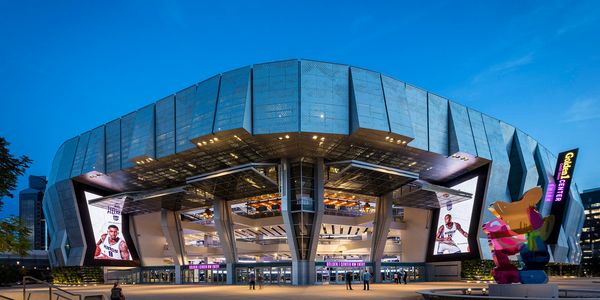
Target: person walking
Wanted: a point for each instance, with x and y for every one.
(116, 293)
(366, 279)
(396, 278)
(252, 282)
(260, 282)
(405, 276)
(349, 280)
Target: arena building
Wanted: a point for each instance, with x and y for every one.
(297, 171)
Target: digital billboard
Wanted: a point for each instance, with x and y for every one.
(454, 222)
(107, 226)
(558, 191)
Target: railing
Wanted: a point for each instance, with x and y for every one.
(50, 288)
(478, 293)
(4, 297)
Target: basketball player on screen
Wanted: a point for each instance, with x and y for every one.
(110, 246)
(445, 233)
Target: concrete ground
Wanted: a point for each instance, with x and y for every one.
(184, 292)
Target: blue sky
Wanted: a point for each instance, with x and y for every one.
(69, 66)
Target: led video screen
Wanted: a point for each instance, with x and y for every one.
(454, 222)
(107, 225)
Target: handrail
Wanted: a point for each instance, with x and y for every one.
(50, 287)
(4, 297)
(436, 293)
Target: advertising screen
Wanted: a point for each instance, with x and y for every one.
(454, 221)
(558, 191)
(108, 231)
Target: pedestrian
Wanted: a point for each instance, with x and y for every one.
(349, 280)
(366, 279)
(260, 282)
(116, 293)
(405, 276)
(252, 282)
(396, 278)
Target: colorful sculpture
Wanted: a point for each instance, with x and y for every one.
(519, 229)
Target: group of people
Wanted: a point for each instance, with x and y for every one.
(400, 277)
(252, 282)
(366, 279)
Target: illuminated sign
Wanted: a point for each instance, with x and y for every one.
(204, 267)
(345, 264)
(559, 189)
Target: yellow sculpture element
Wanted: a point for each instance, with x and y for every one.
(516, 214)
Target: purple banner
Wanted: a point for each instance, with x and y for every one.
(345, 264)
(204, 267)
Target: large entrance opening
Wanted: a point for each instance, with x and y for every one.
(268, 275)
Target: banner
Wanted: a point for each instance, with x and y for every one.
(563, 175)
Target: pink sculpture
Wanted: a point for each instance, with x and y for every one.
(519, 229)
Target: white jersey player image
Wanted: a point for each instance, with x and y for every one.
(445, 234)
(111, 246)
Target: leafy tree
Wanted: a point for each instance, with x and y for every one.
(13, 234)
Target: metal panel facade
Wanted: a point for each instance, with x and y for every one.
(417, 107)
(234, 104)
(184, 108)
(498, 177)
(276, 97)
(63, 161)
(324, 97)
(80, 154)
(461, 135)
(142, 141)
(530, 174)
(397, 107)
(113, 146)
(94, 157)
(165, 127)
(204, 105)
(127, 125)
(367, 102)
(479, 134)
(302, 96)
(438, 124)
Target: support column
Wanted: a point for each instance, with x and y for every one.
(171, 228)
(224, 226)
(381, 228)
(302, 210)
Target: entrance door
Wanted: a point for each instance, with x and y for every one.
(337, 275)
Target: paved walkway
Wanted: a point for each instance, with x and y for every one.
(184, 292)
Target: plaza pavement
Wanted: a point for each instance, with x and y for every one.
(184, 292)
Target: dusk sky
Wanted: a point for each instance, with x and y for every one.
(69, 66)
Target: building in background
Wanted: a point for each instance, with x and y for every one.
(31, 212)
(590, 236)
(298, 172)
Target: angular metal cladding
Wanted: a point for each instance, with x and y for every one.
(461, 134)
(165, 127)
(397, 107)
(351, 110)
(367, 103)
(324, 94)
(276, 101)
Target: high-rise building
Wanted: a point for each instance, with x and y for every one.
(590, 237)
(31, 212)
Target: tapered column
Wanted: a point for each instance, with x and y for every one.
(171, 228)
(381, 228)
(301, 187)
(224, 226)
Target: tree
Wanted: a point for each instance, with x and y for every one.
(13, 233)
